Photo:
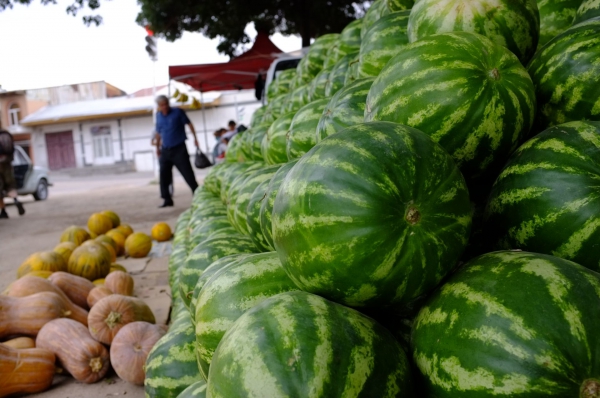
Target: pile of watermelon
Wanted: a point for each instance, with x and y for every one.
(415, 213)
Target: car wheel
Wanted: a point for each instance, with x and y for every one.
(41, 192)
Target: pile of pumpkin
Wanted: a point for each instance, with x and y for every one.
(72, 309)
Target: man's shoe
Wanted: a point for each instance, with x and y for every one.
(3, 214)
(166, 204)
(20, 207)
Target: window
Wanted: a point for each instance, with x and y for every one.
(14, 115)
(102, 142)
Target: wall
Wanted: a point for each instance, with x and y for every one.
(5, 102)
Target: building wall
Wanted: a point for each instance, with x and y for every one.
(5, 103)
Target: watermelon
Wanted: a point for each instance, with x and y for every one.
(223, 233)
(333, 55)
(298, 99)
(209, 209)
(508, 23)
(566, 75)
(400, 5)
(317, 53)
(176, 261)
(303, 77)
(337, 76)
(234, 172)
(274, 142)
(470, 95)
(587, 10)
(257, 116)
(171, 364)
(266, 207)
(232, 196)
(302, 133)
(345, 109)
(297, 344)
(350, 37)
(253, 217)
(316, 89)
(269, 115)
(196, 390)
(556, 16)
(284, 79)
(352, 73)
(205, 254)
(229, 293)
(356, 214)
(272, 91)
(205, 228)
(212, 179)
(234, 153)
(245, 193)
(385, 39)
(377, 10)
(511, 324)
(255, 138)
(546, 198)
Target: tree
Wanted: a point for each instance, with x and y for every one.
(227, 19)
(73, 9)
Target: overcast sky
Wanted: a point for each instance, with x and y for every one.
(42, 46)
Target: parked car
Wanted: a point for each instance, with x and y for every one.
(30, 179)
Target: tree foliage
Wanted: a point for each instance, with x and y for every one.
(73, 9)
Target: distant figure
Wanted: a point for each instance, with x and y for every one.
(156, 142)
(232, 130)
(170, 126)
(7, 176)
(218, 138)
(222, 148)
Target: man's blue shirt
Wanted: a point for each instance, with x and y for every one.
(171, 127)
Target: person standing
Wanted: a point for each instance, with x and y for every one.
(7, 176)
(170, 126)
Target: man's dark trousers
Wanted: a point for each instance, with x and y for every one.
(179, 157)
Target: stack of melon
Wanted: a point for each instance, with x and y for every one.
(415, 213)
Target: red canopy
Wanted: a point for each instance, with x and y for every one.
(239, 73)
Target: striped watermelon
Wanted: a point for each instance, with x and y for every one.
(377, 10)
(345, 109)
(253, 217)
(385, 39)
(229, 293)
(337, 76)
(470, 95)
(210, 209)
(196, 390)
(243, 199)
(400, 5)
(350, 37)
(317, 53)
(171, 365)
(297, 100)
(352, 73)
(297, 344)
(232, 195)
(273, 147)
(566, 75)
(333, 55)
(546, 199)
(176, 261)
(284, 79)
(205, 228)
(234, 153)
(511, 324)
(272, 91)
(254, 138)
(223, 233)
(303, 77)
(316, 89)
(233, 173)
(556, 16)
(266, 207)
(257, 116)
(302, 134)
(509, 23)
(355, 216)
(587, 10)
(204, 255)
(212, 180)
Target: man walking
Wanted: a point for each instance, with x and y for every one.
(170, 126)
(7, 177)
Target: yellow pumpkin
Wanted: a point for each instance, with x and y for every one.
(161, 232)
(138, 245)
(109, 243)
(42, 261)
(91, 261)
(125, 229)
(119, 238)
(99, 223)
(114, 217)
(117, 267)
(40, 274)
(99, 282)
(75, 234)
(65, 249)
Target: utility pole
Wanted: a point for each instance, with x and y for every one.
(151, 49)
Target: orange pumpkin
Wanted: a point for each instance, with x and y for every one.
(91, 261)
(119, 238)
(99, 223)
(65, 249)
(75, 287)
(138, 245)
(125, 229)
(75, 234)
(114, 217)
(97, 294)
(161, 232)
(119, 282)
(25, 370)
(42, 261)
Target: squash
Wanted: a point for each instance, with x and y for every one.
(108, 241)
(138, 245)
(130, 347)
(40, 273)
(125, 229)
(92, 261)
(117, 267)
(65, 249)
(25, 371)
(97, 294)
(111, 313)
(119, 238)
(20, 343)
(99, 282)
(77, 352)
(161, 232)
(114, 217)
(119, 282)
(75, 234)
(29, 285)
(25, 316)
(99, 224)
(75, 287)
(42, 261)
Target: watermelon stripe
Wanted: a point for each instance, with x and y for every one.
(302, 134)
(589, 9)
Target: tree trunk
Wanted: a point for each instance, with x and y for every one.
(305, 29)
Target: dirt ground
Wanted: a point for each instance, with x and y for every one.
(135, 197)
